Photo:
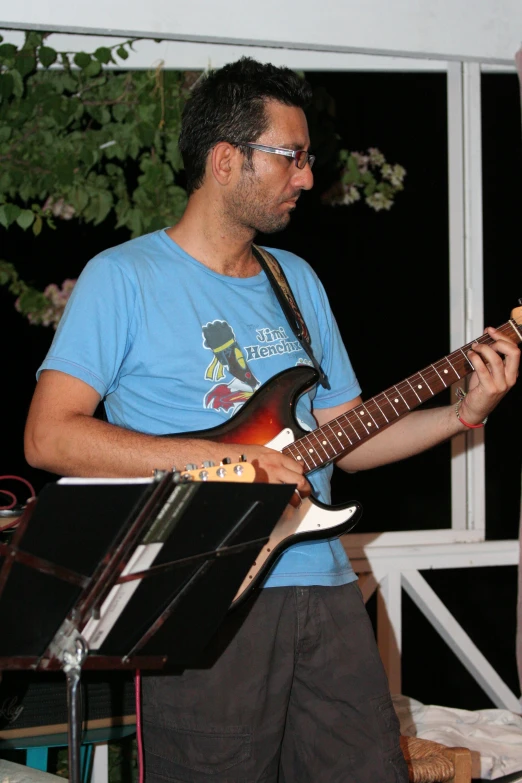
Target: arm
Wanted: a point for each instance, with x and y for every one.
(62, 436)
(496, 371)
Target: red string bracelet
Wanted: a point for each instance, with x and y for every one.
(471, 426)
(461, 394)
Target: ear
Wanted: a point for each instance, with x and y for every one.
(223, 161)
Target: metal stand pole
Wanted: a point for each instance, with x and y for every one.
(72, 667)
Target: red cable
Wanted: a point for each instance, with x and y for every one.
(13, 500)
(139, 740)
(15, 478)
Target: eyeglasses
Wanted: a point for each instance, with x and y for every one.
(301, 157)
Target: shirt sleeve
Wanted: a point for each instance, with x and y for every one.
(95, 330)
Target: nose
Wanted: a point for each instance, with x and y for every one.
(303, 178)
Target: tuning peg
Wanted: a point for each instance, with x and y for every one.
(208, 463)
(243, 458)
(191, 466)
(226, 461)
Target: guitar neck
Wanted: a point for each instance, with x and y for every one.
(341, 435)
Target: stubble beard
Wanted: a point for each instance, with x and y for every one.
(253, 207)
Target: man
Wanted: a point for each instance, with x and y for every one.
(168, 329)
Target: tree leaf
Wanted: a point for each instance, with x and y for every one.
(47, 56)
(103, 55)
(7, 51)
(122, 52)
(37, 225)
(25, 63)
(25, 218)
(82, 60)
(6, 86)
(93, 69)
(18, 83)
(8, 214)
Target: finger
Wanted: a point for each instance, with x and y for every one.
(500, 360)
(296, 499)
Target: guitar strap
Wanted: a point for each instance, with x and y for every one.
(285, 297)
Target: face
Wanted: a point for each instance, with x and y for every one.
(267, 190)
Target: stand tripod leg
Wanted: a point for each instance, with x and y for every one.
(72, 668)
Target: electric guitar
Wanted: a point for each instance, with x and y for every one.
(267, 418)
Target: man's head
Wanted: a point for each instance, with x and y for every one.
(230, 105)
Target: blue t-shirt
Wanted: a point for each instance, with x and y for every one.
(173, 347)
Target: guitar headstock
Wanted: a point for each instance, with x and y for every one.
(243, 472)
(516, 314)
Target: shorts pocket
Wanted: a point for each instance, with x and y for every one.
(175, 751)
(395, 767)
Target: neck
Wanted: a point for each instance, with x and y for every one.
(205, 234)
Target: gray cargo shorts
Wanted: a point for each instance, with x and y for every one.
(291, 690)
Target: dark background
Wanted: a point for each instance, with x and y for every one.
(387, 275)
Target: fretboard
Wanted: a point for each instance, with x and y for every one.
(346, 432)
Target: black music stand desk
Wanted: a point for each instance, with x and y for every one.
(127, 574)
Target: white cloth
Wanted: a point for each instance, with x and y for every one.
(493, 736)
(19, 773)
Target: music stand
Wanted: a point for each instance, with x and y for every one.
(126, 574)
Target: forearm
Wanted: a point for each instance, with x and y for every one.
(416, 432)
(83, 446)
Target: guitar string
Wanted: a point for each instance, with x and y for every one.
(354, 415)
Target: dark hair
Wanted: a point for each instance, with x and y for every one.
(229, 105)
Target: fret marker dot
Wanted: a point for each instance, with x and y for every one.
(369, 424)
(325, 442)
(419, 386)
(298, 458)
(361, 413)
(445, 372)
(339, 434)
(311, 451)
(396, 400)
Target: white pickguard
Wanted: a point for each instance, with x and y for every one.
(305, 519)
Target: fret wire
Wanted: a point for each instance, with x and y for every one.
(309, 454)
(427, 384)
(408, 382)
(465, 357)
(381, 410)
(297, 445)
(440, 376)
(336, 436)
(347, 419)
(402, 397)
(366, 408)
(391, 403)
(317, 438)
(359, 418)
(453, 368)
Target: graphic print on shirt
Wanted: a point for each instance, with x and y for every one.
(219, 337)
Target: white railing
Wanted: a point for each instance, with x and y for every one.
(392, 569)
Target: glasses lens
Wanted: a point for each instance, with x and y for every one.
(302, 157)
